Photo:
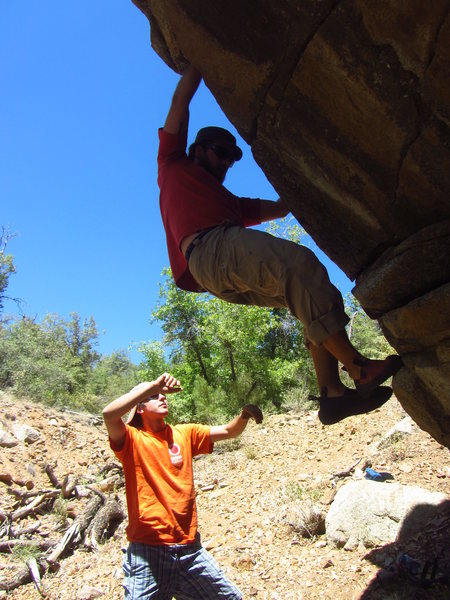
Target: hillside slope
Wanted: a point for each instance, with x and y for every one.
(243, 491)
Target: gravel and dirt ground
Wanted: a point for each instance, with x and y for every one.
(242, 493)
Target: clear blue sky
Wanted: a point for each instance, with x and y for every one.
(83, 94)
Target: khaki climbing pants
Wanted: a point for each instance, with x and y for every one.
(247, 266)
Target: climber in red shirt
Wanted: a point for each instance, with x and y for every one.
(211, 248)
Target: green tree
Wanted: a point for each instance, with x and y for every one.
(81, 339)
(227, 355)
(154, 363)
(7, 267)
(286, 228)
(43, 361)
(182, 316)
(55, 361)
(36, 362)
(365, 333)
(112, 376)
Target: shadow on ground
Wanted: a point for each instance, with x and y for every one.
(417, 565)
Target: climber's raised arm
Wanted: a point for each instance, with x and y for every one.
(178, 115)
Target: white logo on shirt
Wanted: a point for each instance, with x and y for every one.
(175, 454)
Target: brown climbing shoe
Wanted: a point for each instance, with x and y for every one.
(375, 372)
(350, 403)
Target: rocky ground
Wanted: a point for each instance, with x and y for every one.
(244, 491)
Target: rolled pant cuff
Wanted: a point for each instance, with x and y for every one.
(321, 329)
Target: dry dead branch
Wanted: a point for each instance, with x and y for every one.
(51, 475)
(17, 533)
(109, 484)
(96, 522)
(35, 575)
(348, 471)
(97, 492)
(20, 578)
(112, 466)
(8, 545)
(24, 495)
(24, 511)
(68, 486)
(70, 540)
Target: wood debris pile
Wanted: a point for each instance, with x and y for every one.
(90, 515)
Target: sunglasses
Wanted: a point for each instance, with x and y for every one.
(155, 397)
(222, 153)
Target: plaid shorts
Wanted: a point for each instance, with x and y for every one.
(184, 572)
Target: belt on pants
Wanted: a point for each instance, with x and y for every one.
(196, 240)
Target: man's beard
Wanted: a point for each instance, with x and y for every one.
(219, 173)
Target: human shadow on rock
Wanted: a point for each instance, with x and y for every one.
(417, 565)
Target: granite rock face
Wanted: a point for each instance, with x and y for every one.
(372, 514)
(346, 106)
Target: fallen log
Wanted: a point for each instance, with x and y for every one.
(105, 522)
(73, 535)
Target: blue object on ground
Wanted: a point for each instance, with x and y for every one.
(375, 476)
(408, 564)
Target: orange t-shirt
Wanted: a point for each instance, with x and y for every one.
(160, 483)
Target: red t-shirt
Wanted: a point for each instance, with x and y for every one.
(160, 483)
(191, 199)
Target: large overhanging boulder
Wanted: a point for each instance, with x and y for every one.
(346, 106)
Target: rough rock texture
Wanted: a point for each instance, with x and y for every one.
(373, 514)
(346, 106)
